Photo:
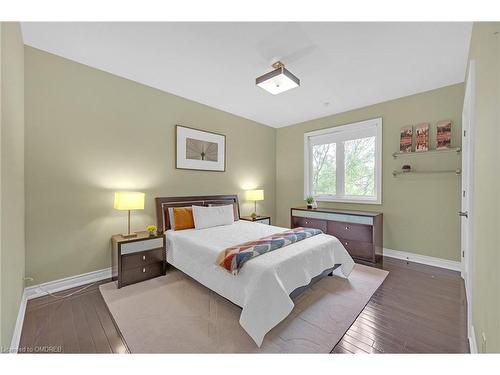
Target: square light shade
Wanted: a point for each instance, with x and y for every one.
(129, 200)
(255, 195)
(278, 81)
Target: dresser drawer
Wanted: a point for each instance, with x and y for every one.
(349, 231)
(308, 223)
(143, 258)
(145, 272)
(358, 249)
(141, 245)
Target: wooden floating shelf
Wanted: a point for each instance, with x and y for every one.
(430, 152)
(458, 172)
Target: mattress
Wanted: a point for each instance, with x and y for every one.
(262, 287)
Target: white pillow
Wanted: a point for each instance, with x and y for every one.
(207, 217)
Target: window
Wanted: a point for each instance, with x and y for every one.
(344, 163)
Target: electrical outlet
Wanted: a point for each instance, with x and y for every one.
(28, 280)
(483, 346)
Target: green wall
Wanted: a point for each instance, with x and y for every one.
(420, 211)
(90, 133)
(485, 50)
(12, 245)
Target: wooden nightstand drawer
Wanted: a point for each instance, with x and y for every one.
(141, 245)
(143, 258)
(137, 274)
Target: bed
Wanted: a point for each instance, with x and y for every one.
(263, 286)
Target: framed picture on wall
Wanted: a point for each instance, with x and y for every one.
(406, 139)
(443, 135)
(199, 150)
(422, 137)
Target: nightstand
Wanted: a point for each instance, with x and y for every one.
(258, 219)
(137, 259)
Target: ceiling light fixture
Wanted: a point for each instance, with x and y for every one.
(277, 81)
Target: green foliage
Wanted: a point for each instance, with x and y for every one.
(324, 169)
(360, 167)
(359, 159)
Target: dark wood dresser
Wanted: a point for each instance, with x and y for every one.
(137, 259)
(360, 232)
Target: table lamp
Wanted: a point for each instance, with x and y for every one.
(127, 200)
(255, 195)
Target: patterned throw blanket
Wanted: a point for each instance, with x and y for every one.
(233, 258)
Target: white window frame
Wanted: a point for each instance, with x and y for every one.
(372, 127)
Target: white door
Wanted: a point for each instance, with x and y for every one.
(467, 210)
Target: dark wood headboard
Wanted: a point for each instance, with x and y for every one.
(163, 203)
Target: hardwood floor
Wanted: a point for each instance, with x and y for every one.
(418, 309)
(80, 323)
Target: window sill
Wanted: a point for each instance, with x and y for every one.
(348, 200)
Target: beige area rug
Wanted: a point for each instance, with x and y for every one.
(176, 314)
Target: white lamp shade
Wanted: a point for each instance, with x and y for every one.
(255, 195)
(129, 200)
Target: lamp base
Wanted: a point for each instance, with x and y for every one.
(129, 235)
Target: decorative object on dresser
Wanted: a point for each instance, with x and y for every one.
(137, 259)
(199, 150)
(254, 195)
(128, 200)
(360, 232)
(311, 202)
(443, 135)
(406, 139)
(258, 219)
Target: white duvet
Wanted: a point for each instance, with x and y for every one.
(263, 285)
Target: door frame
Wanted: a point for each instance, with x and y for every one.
(467, 258)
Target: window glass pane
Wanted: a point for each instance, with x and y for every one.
(324, 169)
(360, 166)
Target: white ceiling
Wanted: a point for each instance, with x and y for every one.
(341, 66)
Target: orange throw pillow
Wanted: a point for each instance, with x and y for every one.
(183, 218)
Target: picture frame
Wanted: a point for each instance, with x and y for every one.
(406, 139)
(200, 150)
(422, 137)
(443, 134)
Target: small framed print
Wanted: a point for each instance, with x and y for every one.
(422, 137)
(443, 135)
(406, 139)
(199, 150)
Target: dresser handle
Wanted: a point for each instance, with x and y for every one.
(144, 257)
(347, 228)
(346, 243)
(307, 222)
(143, 270)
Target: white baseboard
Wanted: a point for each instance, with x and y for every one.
(423, 259)
(16, 335)
(41, 290)
(472, 340)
